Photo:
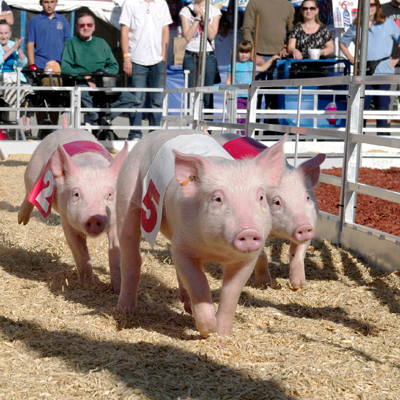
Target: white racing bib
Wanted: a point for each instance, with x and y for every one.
(162, 170)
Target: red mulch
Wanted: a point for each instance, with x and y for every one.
(372, 212)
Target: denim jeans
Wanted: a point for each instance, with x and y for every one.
(271, 100)
(146, 76)
(125, 100)
(382, 103)
(87, 102)
(191, 63)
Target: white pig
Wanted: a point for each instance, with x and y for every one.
(293, 207)
(84, 196)
(214, 209)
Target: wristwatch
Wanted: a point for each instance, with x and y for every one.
(197, 19)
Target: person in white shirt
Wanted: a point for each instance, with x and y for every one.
(192, 17)
(144, 39)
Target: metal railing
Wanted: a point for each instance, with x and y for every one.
(304, 117)
(378, 248)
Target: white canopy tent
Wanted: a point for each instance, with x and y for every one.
(106, 10)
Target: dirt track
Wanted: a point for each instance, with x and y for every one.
(336, 339)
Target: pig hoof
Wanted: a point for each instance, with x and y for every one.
(264, 285)
(188, 307)
(298, 285)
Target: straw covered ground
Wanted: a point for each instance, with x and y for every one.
(339, 338)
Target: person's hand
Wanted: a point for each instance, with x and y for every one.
(276, 57)
(259, 60)
(127, 66)
(90, 82)
(283, 52)
(198, 11)
(297, 55)
(351, 59)
(394, 61)
(17, 44)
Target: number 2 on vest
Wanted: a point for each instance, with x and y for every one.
(47, 192)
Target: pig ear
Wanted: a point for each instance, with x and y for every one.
(188, 168)
(62, 165)
(272, 161)
(311, 169)
(116, 165)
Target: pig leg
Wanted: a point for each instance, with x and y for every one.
(114, 259)
(233, 283)
(195, 281)
(261, 270)
(131, 260)
(184, 296)
(77, 243)
(25, 212)
(296, 272)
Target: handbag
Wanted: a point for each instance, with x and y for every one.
(217, 78)
(9, 77)
(371, 65)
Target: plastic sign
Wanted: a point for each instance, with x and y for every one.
(344, 12)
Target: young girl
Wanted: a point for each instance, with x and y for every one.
(244, 73)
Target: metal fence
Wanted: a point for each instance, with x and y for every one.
(306, 117)
(301, 112)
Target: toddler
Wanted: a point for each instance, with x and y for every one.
(244, 73)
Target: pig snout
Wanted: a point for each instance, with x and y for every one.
(95, 225)
(248, 240)
(304, 233)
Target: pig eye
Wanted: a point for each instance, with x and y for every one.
(261, 198)
(276, 201)
(110, 196)
(75, 196)
(218, 197)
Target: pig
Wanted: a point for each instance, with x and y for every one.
(293, 208)
(214, 209)
(84, 196)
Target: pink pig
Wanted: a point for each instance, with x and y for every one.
(214, 209)
(84, 197)
(293, 207)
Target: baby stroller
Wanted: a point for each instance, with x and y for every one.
(37, 77)
(104, 99)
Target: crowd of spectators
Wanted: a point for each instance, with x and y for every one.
(145, 37)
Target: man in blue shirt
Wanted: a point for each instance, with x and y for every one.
(47, 33)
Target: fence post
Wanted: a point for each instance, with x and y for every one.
(351, 157)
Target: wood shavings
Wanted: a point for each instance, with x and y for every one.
(338, 338)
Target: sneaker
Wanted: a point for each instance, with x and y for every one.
(134, 135)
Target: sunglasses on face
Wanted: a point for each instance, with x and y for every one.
(309, 8)
(372, 5)
(81, 26)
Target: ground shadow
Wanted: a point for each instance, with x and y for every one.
(52, 220)
(350, 263)
(14, 163)
(158, 371)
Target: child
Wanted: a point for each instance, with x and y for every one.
(244, 73)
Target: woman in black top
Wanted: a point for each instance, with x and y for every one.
(309, 33)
